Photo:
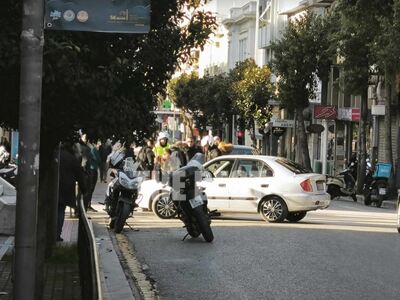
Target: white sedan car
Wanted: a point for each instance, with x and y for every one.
(275, 187)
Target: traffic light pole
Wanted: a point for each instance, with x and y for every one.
(32, 39)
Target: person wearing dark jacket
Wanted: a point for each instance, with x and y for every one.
(104, 150)
(70, 173)
(191, 149)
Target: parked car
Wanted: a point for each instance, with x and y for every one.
(243, 150)
(275, 187)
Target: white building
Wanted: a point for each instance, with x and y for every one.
(213, 59)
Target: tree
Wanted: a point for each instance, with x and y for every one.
(359, 27)
(105, 84)
(207, 99)
(252, 88)
(302, 56)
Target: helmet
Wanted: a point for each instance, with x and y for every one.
(163, 135)
(116, 158)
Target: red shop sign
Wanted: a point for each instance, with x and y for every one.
(355, 114)
(325, 112)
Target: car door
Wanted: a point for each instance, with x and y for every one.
(250, 181)
(217, 189)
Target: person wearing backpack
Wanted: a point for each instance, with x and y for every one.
(146, 156)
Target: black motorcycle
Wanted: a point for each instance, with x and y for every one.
(190, 200)
(376, 184)
(122, 193)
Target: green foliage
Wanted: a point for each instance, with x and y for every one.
(304, 53)
(105, 84)
(386, 45)
(359, 27)
(252, 88)
(208, 99)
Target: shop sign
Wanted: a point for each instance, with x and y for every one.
(129, 16)
(283, 123)
(378, 110)
(325, 112)
(349, 114)
(315, 128)
(278, 131)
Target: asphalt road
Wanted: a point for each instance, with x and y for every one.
(348, 251)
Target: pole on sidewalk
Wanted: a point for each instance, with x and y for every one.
(32, 39)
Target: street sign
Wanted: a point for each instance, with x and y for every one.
(325, 112)
(282, 123)
(117, 16)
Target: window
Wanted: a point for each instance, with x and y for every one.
(252, 168)
(221, 168)
(292, 166)
(242, 49)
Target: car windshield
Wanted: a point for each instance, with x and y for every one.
(292, 166)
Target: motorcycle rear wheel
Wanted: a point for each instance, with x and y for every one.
(333, 190)
(123, 211)
(203, 223)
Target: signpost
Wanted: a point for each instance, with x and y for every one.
(121, 16)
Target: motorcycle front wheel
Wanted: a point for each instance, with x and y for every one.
(122, 214)
(203, 224)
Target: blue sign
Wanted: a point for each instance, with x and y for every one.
(116, 16)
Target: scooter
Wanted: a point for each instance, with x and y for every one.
(342, 185)
(190, 200)
(376, 184)
(121, 194)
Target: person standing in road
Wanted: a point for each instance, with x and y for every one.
(104, 150)
(146, 157)
(213, 150)
(70, 173)
(159, 151)
(191, 149)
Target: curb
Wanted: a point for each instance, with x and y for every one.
(144, 282)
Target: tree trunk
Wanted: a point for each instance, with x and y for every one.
(302, 140)
(388, 119)
(362, 147)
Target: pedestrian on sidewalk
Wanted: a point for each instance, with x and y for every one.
(93, 165)
(70, 173)
(104, 150)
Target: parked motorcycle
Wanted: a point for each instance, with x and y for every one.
(343, 185)
(376, 184)
(9, 173)
(190, 200)
(122, 192)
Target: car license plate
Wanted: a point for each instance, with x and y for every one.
(196, 201)
(320, 186)
(382, 191)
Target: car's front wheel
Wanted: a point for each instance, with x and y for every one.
(273, 210)
(163, 206)
(296, 216)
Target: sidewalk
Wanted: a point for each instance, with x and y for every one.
(114, 282)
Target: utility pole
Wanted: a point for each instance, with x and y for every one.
(32, 39)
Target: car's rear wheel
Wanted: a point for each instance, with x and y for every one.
(296, 216)
(163, 206)
(273, 210)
